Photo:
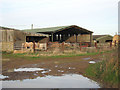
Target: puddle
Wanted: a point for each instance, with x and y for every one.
(3, 77)
(56, 66)
(65, 81)
(60, 71)
(28, 69)
(46, 71)
(71, 68)
(92, 62)
(86, 58)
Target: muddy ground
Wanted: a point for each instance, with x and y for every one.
(52, 66)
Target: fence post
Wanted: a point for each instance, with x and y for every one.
(115, 43)
(80, 46)
(33, 46)
(110, 44)
(63, 46)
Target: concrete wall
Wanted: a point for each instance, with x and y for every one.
(11, 38)
(7, 40)
(7, 46)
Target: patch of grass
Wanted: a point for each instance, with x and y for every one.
(33, 56)
(106, 70)
(36, 56)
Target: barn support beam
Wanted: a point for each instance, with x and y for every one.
(66, 36)
(59, 37)
(76, 37)
(52, 37)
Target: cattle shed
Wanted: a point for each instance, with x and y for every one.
(102, 38)
(68, 34)
(12, 38)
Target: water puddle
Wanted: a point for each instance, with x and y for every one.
(86, 58)
(92, 62)
(28, 69)
(56, 66)
(65, 81)
(3, 77)
(45, 71)
(60, 71)
(71, 68)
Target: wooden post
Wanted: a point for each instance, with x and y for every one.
(61, 37)
(58, 37)
(76, 38)
(52, 37)
(115, 43)
(34, 46)
(110, 44)
(96, 44)
(63, 46)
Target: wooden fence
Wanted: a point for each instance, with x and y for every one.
(51, 46)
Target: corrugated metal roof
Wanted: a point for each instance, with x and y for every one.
(97, 37)
(51, 29)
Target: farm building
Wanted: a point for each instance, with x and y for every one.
(12, 39)
(102, 38)
(68, 34)
(116, 39)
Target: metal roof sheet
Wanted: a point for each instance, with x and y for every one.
(51, 29)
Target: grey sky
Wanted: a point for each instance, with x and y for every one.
(99, 16)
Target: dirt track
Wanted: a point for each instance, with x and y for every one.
(58, 66)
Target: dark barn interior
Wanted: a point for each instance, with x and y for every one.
(34, 38)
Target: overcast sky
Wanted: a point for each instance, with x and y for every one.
(99, 16)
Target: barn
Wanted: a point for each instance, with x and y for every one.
(12, 39)
(102, 38)
(68, 34)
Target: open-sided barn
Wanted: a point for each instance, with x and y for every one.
(71, 34)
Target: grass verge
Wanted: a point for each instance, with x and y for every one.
(33, 56)
(105, 71)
